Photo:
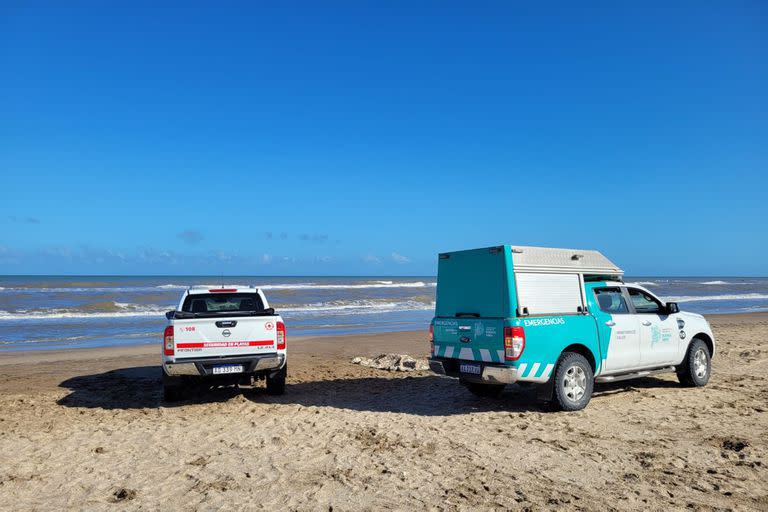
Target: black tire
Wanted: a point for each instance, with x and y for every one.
(574, 383)
(696, 368)
(173, 391)
(484, 390)
(276, 382)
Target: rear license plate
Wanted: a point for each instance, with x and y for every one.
(474, 369)
(230, 368)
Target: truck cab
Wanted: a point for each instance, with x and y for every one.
(559, 318)
(223, 336)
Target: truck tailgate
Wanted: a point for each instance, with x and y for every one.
(470, 339)
(224, 337)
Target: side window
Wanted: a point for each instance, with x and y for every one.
(611, 300)
(644, 303)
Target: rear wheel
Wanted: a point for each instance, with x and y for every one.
(574, 382)
(484, 390)
(697, 365)
(276, 382)
(173, 391)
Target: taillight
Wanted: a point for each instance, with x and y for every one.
(168, 341)
(280, 336)
(432, 339)
(514, 343)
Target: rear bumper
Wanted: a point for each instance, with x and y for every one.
(204, 366)
(490, 373)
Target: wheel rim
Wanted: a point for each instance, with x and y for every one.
(700, 365)
(574, 383)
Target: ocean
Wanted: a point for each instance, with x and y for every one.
(55, 312)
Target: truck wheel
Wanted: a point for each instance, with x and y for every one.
(484, 390)
(695, 369)
(574, 382)
(172, 388)
(276, 383)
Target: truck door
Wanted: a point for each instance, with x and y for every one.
(658, 331)
(618, 330)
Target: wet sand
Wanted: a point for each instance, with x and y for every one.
(86, 429)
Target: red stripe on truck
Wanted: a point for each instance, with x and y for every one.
(225, 344)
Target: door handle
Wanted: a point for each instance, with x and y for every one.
(646, 323)
(610, 323)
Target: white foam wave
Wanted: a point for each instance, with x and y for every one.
(94, 289)
(357, 307)
(707, 298)
(172, 286)
(645, 283)
(378, 284)
(127, 310)
(714, 282)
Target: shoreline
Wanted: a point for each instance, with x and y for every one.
(142, 349)
(8, 353)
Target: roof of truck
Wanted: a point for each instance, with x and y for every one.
(583, 261)
(225, 288)
(548, 259)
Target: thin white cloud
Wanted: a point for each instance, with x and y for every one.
(370, 258)
(400, 259)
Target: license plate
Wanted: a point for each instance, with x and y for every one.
(230, 368)
(474, 369)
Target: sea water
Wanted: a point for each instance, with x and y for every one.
(49, 312)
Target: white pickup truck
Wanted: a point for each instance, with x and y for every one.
(223, 336)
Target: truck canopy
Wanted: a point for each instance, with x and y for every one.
(473, 283)
(492, 282)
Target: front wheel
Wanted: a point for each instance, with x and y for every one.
(697, 365)
(574, 382)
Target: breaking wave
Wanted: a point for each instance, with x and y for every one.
(94, 310)
(356, 307)
(704, 298)
(376, 284)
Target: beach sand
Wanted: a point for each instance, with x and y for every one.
(86, 429)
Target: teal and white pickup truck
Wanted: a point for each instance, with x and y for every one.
(560, 318)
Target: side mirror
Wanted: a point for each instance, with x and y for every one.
(170, 314)
(672, 308)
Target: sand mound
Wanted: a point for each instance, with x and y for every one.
(393, 362)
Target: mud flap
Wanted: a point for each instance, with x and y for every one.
(545, 391)
(280, 373)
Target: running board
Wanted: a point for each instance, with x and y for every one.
(634, 375)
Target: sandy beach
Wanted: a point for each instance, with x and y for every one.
(86, 429)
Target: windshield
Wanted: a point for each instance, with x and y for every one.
(222, 303)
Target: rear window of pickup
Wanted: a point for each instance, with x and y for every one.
(222, 303)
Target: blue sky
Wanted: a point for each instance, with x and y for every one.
(365, 137)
